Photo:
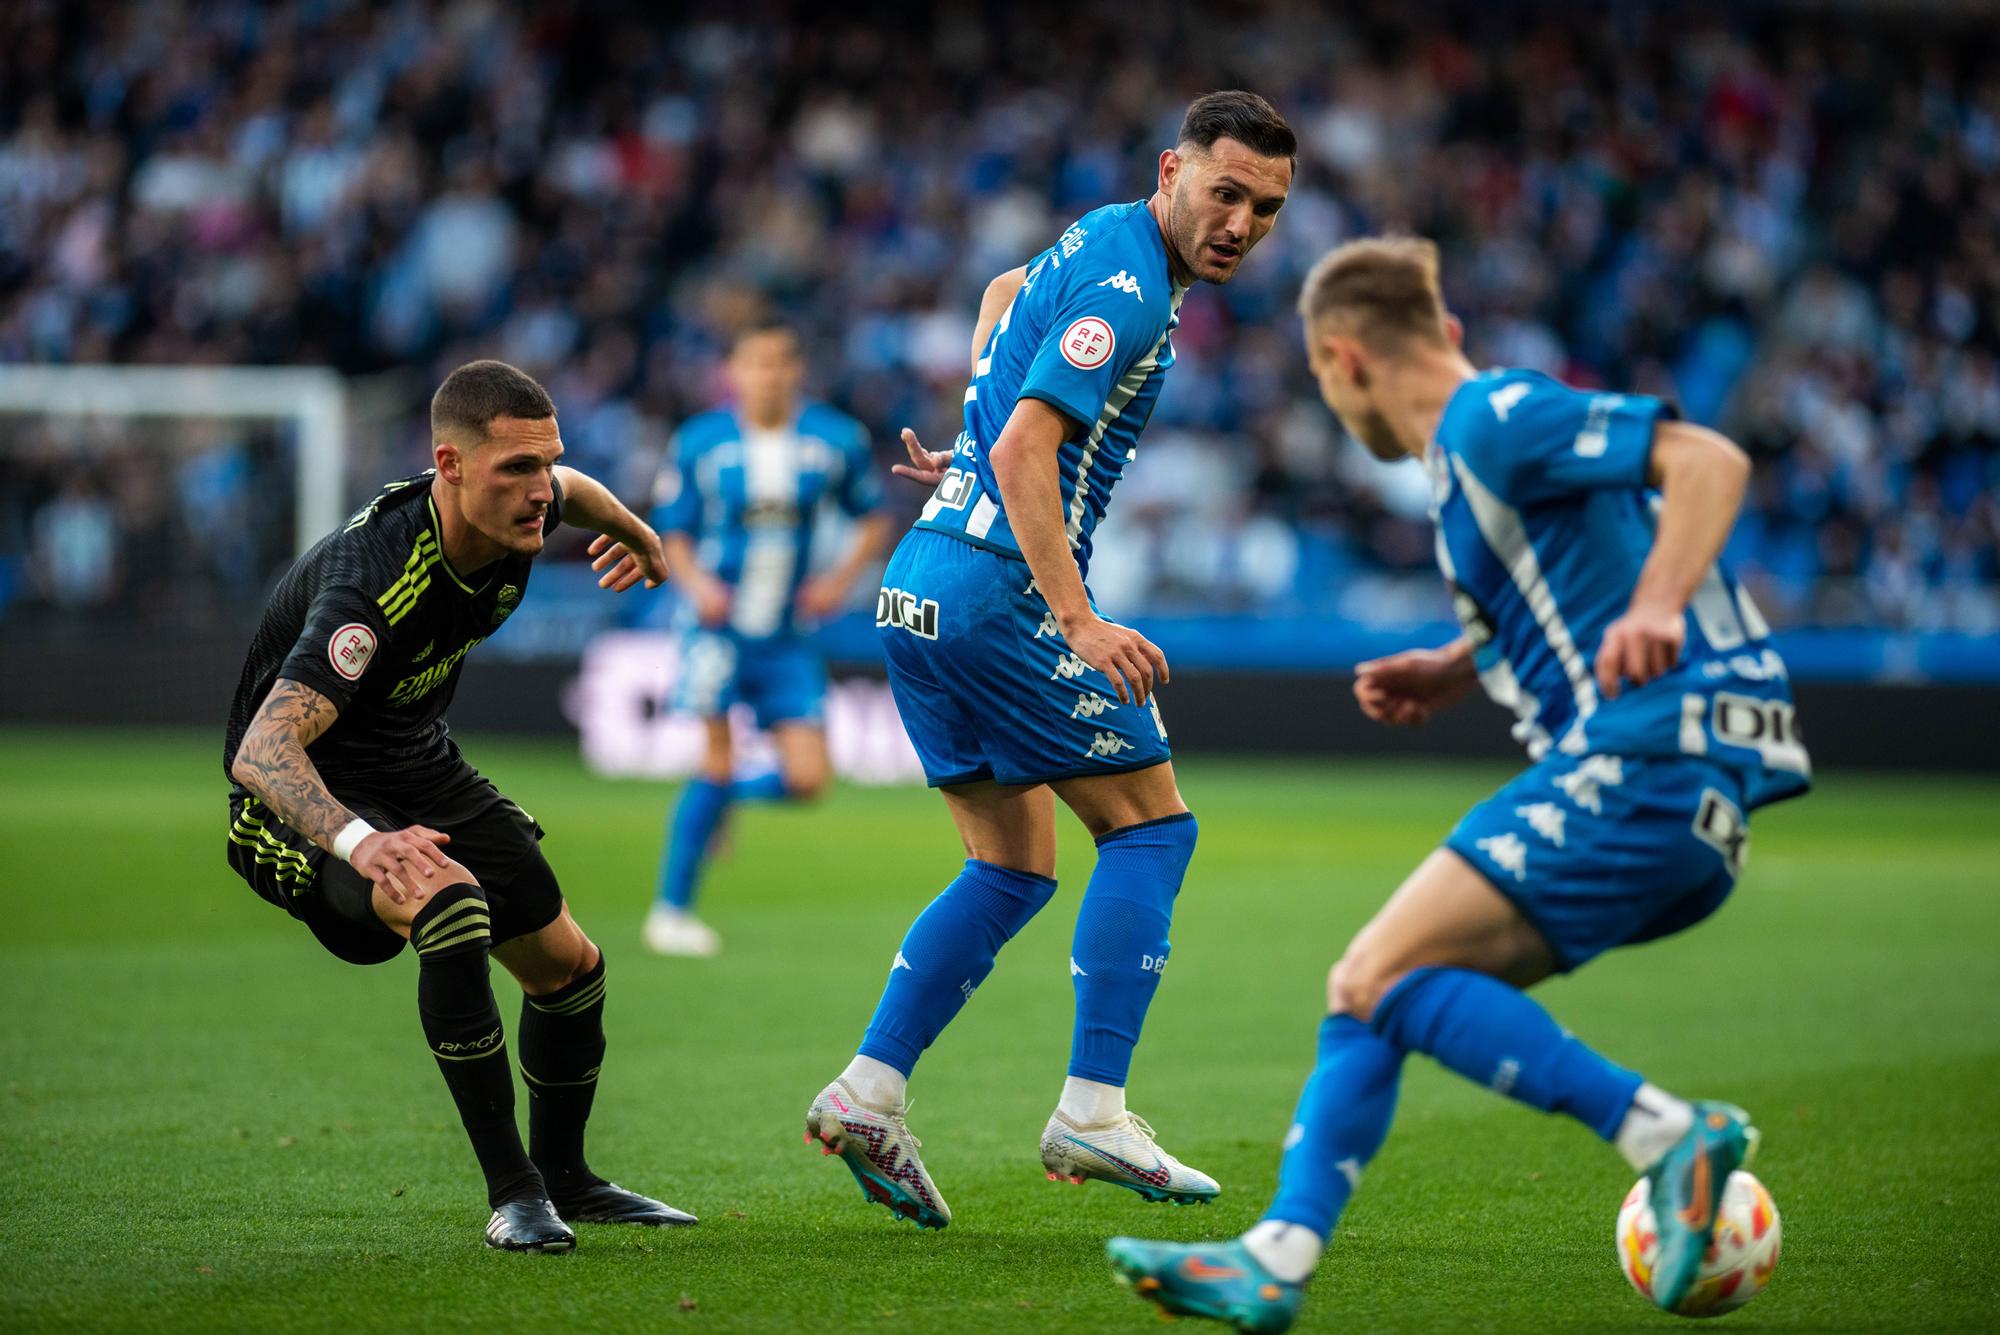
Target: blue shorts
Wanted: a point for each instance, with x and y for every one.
(985, 683)
(1603, 851)
(781, 679)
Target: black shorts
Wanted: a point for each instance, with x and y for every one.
(491, 837)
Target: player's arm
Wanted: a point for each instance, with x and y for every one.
(626, 549)
(272, 763)
(1024, 464)
(709, 595)
(824, 593)
(999, 294)
(1405, 690)
(1701, 477)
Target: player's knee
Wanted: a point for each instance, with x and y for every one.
(1357, 984)
(806, 783)
(453, 921)
(456, 873)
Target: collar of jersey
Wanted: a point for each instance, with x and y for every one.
(437, 531)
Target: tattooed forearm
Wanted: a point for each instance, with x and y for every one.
(272, 761)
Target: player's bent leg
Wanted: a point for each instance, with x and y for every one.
(805, 767)
(1009, 835)
(1145, 839)
(452, 935)
(562, 977)
(671, 925)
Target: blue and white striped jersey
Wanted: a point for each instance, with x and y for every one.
(1090, 332)
(1543, 520)
(750, 498)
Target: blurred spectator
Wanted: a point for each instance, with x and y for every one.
(1786, 217)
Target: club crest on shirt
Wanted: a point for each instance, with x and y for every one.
(508, 598)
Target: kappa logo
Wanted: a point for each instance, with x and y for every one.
(1048, 626)
(1503, 400)
(1106, 745)
(1509, 854)
(1069, 666)
(1583, 783)
(1123, 282)
(1546, 819)
(351, 649)
(901, 611)
(1090, 705)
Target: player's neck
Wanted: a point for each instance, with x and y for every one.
(1160, 206)
(768, 416)
(466, 549)
(1418, 392)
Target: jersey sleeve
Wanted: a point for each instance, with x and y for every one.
(344, 632)
(676, 499)
(1103, 326)
(1540, 442)
(860, 491)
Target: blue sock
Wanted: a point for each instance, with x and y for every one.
(1121, 945)
(1495, 1034)
(948, 952)
(1343, 1116)
(768, 787)
(701, 808)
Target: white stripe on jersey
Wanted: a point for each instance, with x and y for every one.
(1122, 394)
(1502, 687)
(770, 477)
(1500, 524)
(980, 522)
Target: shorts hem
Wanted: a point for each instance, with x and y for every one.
(980, 775)
(1084, 772)
(1563, 963)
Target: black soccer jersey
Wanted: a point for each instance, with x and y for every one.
(374, 618)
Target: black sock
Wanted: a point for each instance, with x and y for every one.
(452, 935)
(562, 1046)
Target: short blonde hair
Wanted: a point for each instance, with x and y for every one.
(1381, 289)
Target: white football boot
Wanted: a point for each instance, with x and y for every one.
(1121, 1152)
(672, 932)
(879, 1150)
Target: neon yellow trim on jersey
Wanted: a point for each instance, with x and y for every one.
(437, 527)
(400, 597)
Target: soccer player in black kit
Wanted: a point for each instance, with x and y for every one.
(354, 811)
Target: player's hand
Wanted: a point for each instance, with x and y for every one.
(404, 863)
(621, 565)
(822, 596)
(710, 597)
(1404, 690)
(925, 466)
(1133, 662)
(1643, 644)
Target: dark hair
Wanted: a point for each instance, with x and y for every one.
(477, 392)
(768, 324)
(1244, 117)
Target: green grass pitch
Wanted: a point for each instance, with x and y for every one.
(208, 1123)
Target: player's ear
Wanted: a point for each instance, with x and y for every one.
(1454, 329)
(450, 463)
(1170, 168)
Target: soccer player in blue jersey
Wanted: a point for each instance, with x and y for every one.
(1015, 690)
(1579, 535)
(737, 509)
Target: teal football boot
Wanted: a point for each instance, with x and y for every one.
(1219, 1280)
(1687, 1185)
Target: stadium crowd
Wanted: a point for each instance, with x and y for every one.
(1787, 219)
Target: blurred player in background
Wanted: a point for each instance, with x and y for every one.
(1015, 690)
(1579, 535)
(738, 504)
(353, 810)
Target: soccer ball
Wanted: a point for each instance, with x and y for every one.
(1739, 1262)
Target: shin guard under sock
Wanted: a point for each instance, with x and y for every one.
(452, 936)
(562, 1049)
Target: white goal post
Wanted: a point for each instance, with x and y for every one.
(312, 397)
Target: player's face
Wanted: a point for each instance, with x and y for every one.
(765, 370)
(1223, 201)
(506, 481)
(1343, 384)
